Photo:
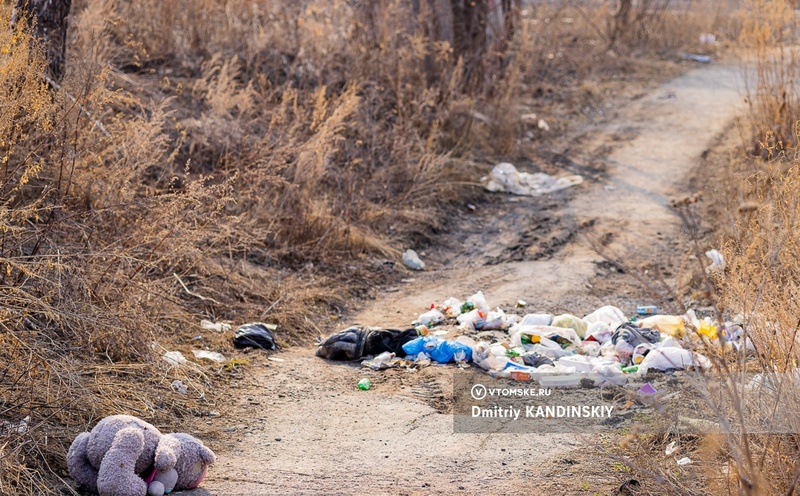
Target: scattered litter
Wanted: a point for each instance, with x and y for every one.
(671, 448)
(717, 262)
(380, 362)
(673, 358)
(20, 427)
(671, 325)
(521, 303)
(529, 117)
(364, 384)
(412, 260)
(629, 488)
(685, 461)
(430, 318)
(543, 125)
(481, 117)
(603, 348)
(179, 387)
(175, 358)
(276, 359)
(703, 59)
(647, 390)
(708, 38)
(215, 326)
(209, 355)
(439, 350)
(647, 310)
(255, 335)
(506, 178)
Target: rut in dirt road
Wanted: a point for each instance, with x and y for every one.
(311, 431)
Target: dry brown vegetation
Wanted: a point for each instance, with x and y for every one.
(755, 200)
(270, 156)
(760, 194)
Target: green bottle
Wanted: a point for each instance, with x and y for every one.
(364, 384)
(630, 370)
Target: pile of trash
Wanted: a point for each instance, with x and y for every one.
(557, 350)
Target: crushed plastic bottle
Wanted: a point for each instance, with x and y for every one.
(380, 362)
(364, 384)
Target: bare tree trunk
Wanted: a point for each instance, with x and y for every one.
(49, 21)
(469, 36)
(621, 21)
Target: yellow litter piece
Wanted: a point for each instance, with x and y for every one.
(673, 325)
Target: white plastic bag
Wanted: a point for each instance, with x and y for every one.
(608, 314)
(717, 262)
(479, 302)
(430, 318)
(451, 307)
(537, 319)
(506, 178)
(673, 358)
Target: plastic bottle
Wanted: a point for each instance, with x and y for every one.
(647, 310)
(364, 384)
(631, 370)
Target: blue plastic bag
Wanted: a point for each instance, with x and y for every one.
(438, 349)
(422, 344)
(445, 350)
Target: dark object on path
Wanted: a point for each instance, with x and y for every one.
(358, 341)
(629, 488)
(536, 360)
(635, 335)
(254, 335)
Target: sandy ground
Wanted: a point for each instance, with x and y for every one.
(310, 431)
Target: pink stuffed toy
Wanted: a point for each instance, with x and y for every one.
(126, 456)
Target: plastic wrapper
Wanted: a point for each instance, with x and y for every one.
(608, 314)
(571, 322)
(537, 319)
(565, 337)
(668, 324)
(673, 358)
(430, 318)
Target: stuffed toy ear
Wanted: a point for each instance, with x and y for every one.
(167, 453)
(207, 455)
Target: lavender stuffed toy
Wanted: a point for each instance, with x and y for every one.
(126, 456)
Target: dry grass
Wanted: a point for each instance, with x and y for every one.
(268, 156)
(769, 31)
(756, 204)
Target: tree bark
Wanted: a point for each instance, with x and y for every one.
(48, 19)
(621, 22)
(469, 36)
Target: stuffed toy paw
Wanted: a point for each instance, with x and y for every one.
(126, 456)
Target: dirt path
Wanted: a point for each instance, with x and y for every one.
(312, 431)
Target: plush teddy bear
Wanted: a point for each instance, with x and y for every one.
(126, 456)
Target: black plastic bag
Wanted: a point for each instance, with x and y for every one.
(536, 360)
(357, 342)
(254, 335)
